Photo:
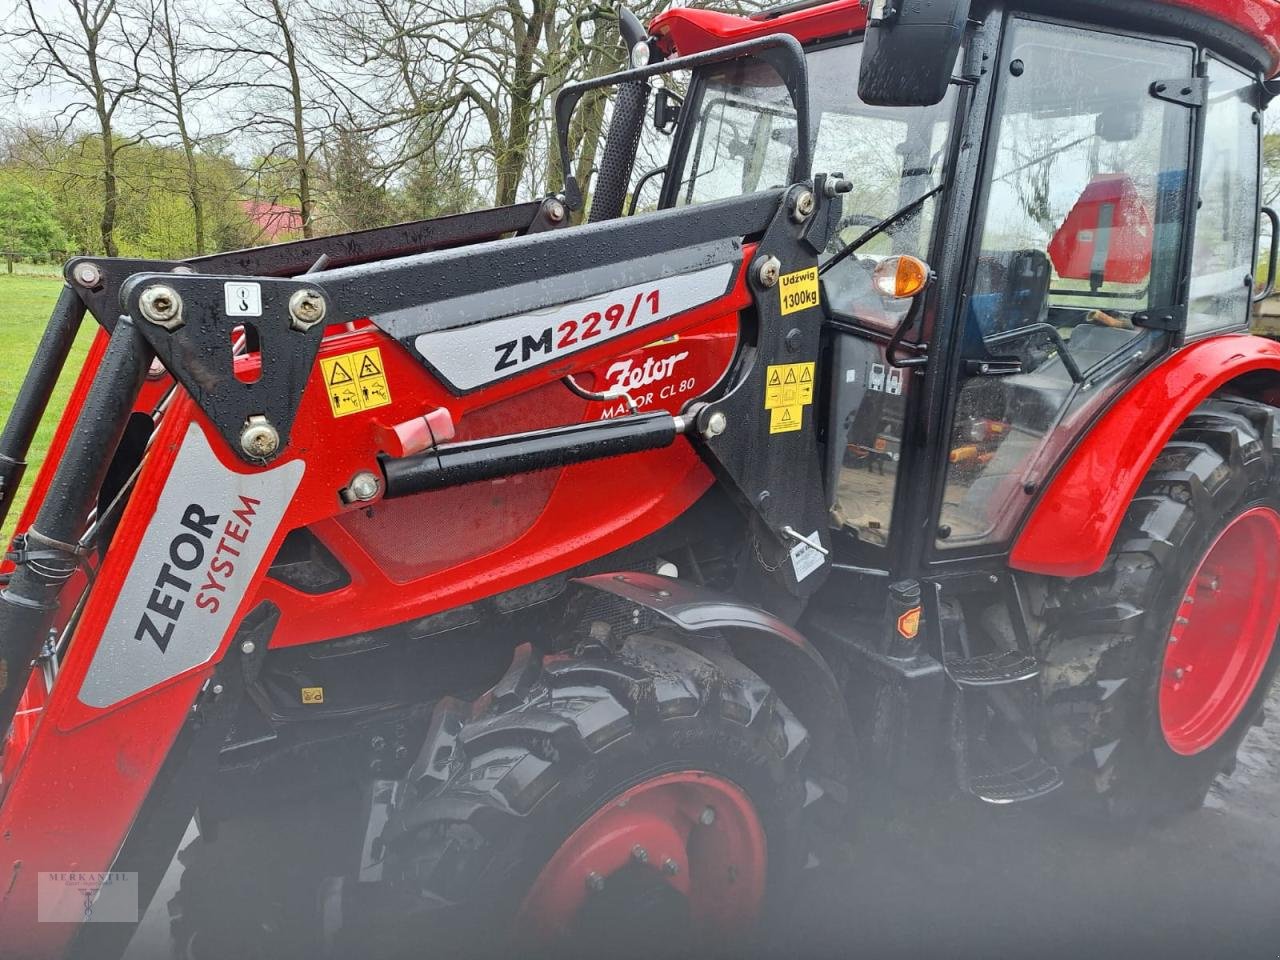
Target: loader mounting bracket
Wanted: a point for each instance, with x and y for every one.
(196, 347)
(761, 436)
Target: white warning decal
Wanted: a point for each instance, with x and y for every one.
(208, 536)
(482, 353)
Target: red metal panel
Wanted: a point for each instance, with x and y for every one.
(687, 30)
(1072, 528)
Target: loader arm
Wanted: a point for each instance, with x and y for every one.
(458, 331)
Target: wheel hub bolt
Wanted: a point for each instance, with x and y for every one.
(639, 854)
(248, 647)
(670, 867)
(595, 882)
(707, 817)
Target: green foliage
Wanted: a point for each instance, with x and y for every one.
(28, 224)
(154, 216)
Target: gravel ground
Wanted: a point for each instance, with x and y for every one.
(954, 879)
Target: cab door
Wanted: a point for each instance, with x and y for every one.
(1076, 278)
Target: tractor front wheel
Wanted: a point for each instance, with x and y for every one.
(645, 801)
(1155, 667)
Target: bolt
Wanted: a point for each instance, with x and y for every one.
(378, 744)
(595, 882)
(834, 186)
(717, 423)
(217, 689)
(306, 309)
(156, 370)
(639, 854)
(162, 306)
(248, 647)
(363, 486)
(258, 438)
(1210, 582)
(770, 270)
(707, 817)
(87, 275)
(555, 210)
(670, 867)
(802, 209)
(1182, 621)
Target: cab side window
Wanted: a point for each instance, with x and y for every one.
(1223, 257)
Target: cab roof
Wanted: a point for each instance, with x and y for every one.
(1257, 22)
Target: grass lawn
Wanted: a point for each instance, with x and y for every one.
(26, 300)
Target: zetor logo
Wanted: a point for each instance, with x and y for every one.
(625, 375)
(187, 571)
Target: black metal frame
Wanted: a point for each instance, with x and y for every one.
(781, 51)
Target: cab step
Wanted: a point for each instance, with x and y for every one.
(1033, 779)
(992, 669)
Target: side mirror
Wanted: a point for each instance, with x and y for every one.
(666, 110)
(910, 50)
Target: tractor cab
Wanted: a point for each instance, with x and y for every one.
(1076, 194)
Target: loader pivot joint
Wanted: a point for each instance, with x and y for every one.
(206, 329)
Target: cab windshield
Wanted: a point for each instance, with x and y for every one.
(746, 140)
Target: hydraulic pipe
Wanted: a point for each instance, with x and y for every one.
(31, 596)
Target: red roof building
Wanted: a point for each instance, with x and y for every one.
(272, 221)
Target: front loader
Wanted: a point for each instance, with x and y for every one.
(503, 578)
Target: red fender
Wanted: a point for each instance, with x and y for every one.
(1070, 532)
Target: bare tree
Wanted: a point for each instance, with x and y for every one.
(475, 73)
(185, 76)
(93, 56)
(287, 97)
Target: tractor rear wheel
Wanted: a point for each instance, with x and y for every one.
(1155, 667)
(644, 801)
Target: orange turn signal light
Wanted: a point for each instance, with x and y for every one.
(901, 277)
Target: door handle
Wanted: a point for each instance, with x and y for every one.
(995, 367)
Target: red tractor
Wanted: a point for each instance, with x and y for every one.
(500, 575)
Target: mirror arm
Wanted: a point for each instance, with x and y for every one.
(635, 192)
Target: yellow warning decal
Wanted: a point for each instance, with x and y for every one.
(313, 694)
(355, 381)
(788, 389)
(799, 290)
(786, 419)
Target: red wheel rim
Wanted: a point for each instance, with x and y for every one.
(1223, 634)
(699, 833)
